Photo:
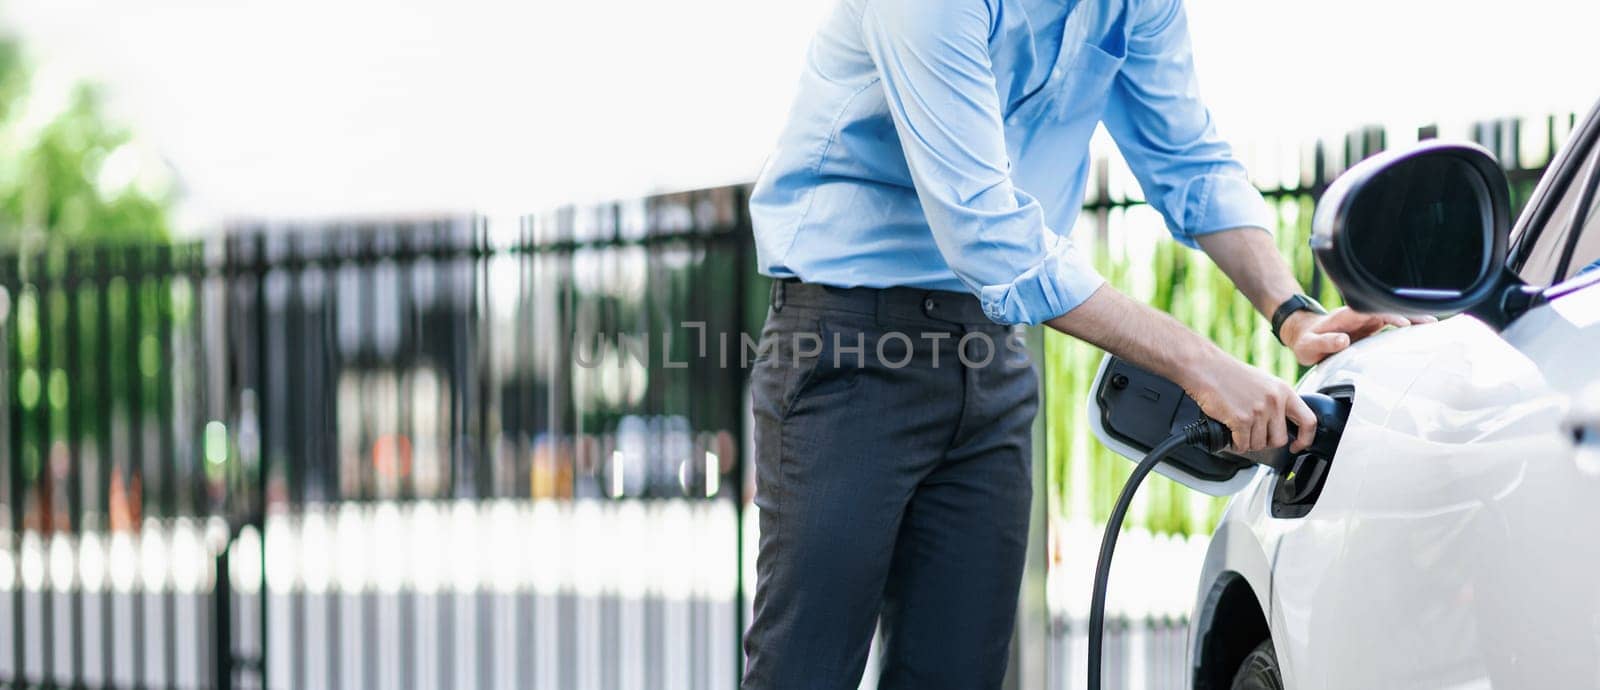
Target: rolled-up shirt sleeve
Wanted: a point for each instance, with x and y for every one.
(933, 59)
(1165, 132)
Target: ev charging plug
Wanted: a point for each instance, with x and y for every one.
(1210, 436)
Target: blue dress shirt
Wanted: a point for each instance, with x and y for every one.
(944, 144)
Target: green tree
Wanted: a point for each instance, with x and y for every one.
(51, 176)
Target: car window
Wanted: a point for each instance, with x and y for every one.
(1544, 258)
(1586, 255)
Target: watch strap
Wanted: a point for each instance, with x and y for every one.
(1288, 308)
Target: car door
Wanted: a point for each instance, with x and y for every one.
(1452, 545)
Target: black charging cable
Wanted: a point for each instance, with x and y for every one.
(1205, 433)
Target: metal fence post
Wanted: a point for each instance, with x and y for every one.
(745, 259)
(1031, 633)
(14, 491)
(222, 621)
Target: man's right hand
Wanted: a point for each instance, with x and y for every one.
(1254, 405)
(1251, 403)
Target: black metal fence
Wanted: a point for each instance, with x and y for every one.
(347, 455)
(195, 432)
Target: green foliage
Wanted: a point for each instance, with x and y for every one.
(52, 167)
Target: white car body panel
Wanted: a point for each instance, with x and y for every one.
(1454, 544)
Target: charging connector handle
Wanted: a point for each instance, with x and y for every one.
(1203, 433)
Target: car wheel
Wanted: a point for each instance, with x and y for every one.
(1259, 670)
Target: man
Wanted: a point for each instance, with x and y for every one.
(933, 162)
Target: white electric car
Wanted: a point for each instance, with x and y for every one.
(1453, 538)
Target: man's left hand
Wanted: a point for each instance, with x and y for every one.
(1314, 336)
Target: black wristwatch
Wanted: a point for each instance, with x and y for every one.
(1290, 306)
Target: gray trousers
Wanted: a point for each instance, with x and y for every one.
(893, 482)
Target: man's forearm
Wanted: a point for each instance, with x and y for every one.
(1253, 263)
(1138, 333)
(1251, 260)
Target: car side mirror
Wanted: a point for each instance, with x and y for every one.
(1417, 231)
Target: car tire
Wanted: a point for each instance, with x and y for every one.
(1259, 670)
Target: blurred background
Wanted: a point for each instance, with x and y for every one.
(321, 324)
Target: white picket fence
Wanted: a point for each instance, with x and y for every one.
(588, 595)
(1153, 584)
(144, 602)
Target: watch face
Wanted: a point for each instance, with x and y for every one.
(1299, 302)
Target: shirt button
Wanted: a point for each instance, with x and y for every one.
(928, 305)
